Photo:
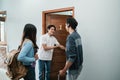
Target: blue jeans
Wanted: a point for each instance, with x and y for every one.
(73, 74)
(44, 73)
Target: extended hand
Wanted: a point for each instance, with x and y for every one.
(36, 56)
(62, 73)
(62, 47)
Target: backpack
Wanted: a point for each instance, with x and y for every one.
(15, 68)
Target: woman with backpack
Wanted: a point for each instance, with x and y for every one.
(28, 50)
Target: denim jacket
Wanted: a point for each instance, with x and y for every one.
(26, 54)
(74, 50)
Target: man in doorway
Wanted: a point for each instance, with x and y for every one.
(45, 53)
(74, 51)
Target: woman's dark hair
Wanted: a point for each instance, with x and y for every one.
(72, 22)
(30, 32)
(49, 26)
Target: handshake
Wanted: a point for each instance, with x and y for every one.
(60, 46)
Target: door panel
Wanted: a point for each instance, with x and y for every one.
(59, 57)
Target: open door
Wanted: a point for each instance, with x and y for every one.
(58, 18)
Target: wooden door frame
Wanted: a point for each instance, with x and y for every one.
(44, 13)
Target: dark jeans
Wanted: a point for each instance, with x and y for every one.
(73, 74)
(44, 65)
(30, 74)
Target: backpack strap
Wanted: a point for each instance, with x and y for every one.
(10, 56)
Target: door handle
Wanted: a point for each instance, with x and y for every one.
(60, 27)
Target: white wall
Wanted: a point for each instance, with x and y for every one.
(99, 27)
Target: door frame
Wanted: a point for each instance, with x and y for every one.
(44, 13)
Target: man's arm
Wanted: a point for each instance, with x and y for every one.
(71, 54)
(62, 47)
(67, 65)
(45, 47)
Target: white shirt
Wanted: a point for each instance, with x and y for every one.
(49, 41)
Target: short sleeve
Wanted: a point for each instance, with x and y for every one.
(43, 40)
(56, 42)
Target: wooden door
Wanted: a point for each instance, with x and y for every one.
(59, 57)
